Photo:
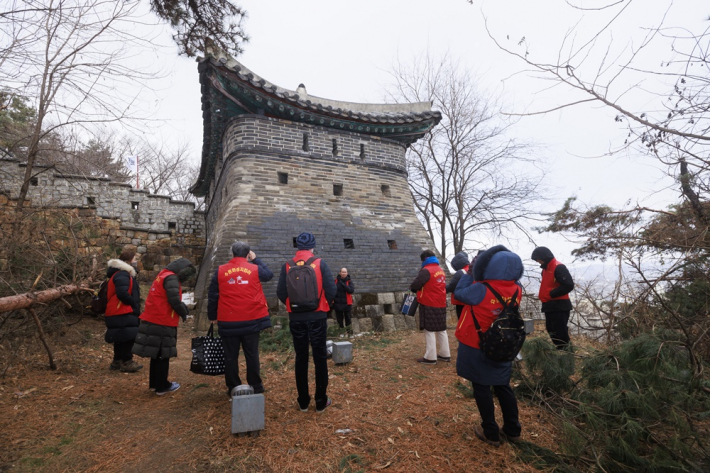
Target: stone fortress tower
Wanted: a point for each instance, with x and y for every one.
(277, 162)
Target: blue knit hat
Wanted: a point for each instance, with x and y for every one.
(305, 241)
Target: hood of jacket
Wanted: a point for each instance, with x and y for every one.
(542, 253)
(498, 263)
(459, 261)
(119, 265)
(183, 268)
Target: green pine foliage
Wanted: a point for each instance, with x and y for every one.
(543, 458)
(547, 370)
(278, 338)
(633, 407)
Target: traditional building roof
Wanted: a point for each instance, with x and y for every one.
(229, 89)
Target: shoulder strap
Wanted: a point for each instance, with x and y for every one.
(500, 299)
(475, 323)
(308, 261)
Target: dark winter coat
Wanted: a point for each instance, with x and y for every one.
(341, 300)
(431, 319)
(123, 328)
(184, 270)
(155, 341)
(496, 263)
(329, 291)
(458, 263)
(562, 276)
(237, 329)
(160, 341)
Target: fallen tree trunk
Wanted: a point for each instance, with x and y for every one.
(26, 300)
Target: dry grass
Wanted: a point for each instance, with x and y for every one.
(403, 416)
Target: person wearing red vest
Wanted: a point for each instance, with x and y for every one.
(157, 333)
(460, 265)
(555, 287)
(237, 303)
(343, 302)
(122, 310)
(310, 326)
(501, 269)
(430, 286)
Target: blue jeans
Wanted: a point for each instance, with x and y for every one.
(311, 332)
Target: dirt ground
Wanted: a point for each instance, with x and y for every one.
(403, 416)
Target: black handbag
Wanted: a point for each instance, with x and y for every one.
(410, 305)
(207, 354)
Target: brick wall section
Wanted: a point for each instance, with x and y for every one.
(248, 203)
(110, 199)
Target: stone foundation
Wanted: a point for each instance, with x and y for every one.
(374, 317)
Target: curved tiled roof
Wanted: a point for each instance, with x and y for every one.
(230, 89)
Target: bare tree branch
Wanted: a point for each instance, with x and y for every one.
(465, 176)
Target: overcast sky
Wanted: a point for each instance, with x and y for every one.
(344, 50)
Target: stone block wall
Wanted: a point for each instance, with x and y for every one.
(382, 317)
(135, 208)
(155, 248)
(102, 235)
(267, 191)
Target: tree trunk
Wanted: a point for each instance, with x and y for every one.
(31, 157)
(24, 301)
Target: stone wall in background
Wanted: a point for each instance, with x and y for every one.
(381, 313)
(108, 221)
(137, 209)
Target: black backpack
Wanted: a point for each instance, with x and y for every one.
(100, 299)
(302, 286)
(506, 335)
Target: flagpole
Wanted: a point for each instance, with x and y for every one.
(137, 186)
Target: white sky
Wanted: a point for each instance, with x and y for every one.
(343, 50)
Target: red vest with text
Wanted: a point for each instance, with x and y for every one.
(453, 299)
(305, 255)
(348, 296)
(241, 297)
(433, 294)
(157, 309)
(549, 283)
(486, 311)
(114, 306)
